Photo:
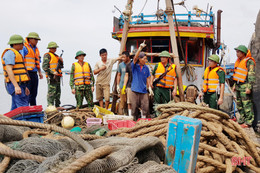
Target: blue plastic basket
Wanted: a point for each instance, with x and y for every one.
(38, 118)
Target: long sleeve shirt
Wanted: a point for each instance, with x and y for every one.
(92, 79)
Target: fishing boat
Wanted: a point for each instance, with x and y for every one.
(198, 38)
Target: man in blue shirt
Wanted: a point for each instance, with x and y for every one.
(31, 56)
(140, 81)
(120, 82)
(16, 77)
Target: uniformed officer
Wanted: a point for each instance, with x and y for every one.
(82, 80)
(213, 81)
(51, 65)
(244, 77)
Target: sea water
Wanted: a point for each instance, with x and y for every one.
(66, 96)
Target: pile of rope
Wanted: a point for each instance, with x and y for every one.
(70, 153)
(221, 138)
(80, 116)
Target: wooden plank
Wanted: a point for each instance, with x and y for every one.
(183, 138)
(169, 12)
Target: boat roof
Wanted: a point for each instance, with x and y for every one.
(146, 26)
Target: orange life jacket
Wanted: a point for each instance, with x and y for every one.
(240, 71)
(32, 59)
(19, 70)
(168, 80)
(54, 63)
(211, 79)
(81, 74)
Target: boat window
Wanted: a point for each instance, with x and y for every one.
(131, 45)
(194, 52)
(159, 46)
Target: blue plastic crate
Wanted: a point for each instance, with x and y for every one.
(38, 118)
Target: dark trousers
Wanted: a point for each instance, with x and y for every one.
(33, 87)
(17, 100)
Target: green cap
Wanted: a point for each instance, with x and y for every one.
(214, 58)
(33, 35)
(15, 39)
(242, 48)
(80, 53)
(52, 45)
(165, 54)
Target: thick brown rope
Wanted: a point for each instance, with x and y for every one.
(137, 127)
(20, 155)
(143, 131)
(29, 132)
(87, 159)
(76, 138)
(249, 142)
(216, 150)
(186, 105)
(5, 162)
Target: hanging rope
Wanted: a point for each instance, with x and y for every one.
(143, 7)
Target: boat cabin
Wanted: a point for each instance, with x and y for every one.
(196, 31)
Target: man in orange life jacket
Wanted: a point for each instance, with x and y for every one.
(16, 76)
(82, 80)
(53, 74)
(162, 90)
(214, 77)
(244, 78)
(32, 63)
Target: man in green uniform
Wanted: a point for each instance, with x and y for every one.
(82, 80)
(52, 64)
(244, 78)
(214, 81)
(167, 85)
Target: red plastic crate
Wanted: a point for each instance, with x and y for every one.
(23, 109)
(145, 119)
(115, 124)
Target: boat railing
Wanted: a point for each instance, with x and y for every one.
(185, 19)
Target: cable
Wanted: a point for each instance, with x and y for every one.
(142, 8)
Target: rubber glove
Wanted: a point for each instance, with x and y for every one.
(150, 91)
(123, 90)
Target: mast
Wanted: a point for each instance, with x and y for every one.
(127, 13)
(169, 12)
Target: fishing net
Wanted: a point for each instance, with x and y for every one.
(23, 166)
(9, 133)
(150, 167)
(125, 152)
(127, 167)
(53, 162)
(38, 146)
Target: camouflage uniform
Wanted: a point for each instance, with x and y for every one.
(244, 101)
(54, 90)
(82, 90)
(211, 98)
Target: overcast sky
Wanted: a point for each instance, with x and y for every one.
(87, 25)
